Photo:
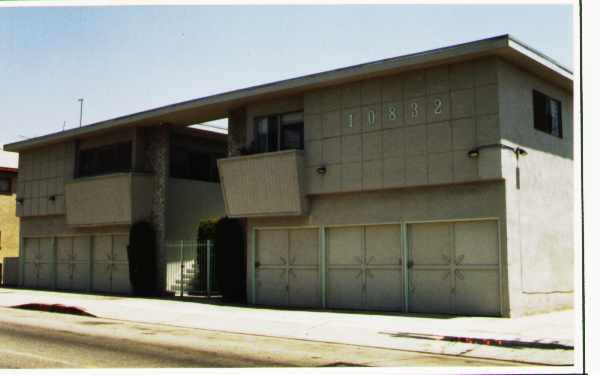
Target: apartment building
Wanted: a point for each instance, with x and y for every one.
(436, 182)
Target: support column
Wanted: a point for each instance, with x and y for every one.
(158, 145)
(236, 134)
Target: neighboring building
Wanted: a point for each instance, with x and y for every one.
(437, 182)
(9, 223)
(79, 192)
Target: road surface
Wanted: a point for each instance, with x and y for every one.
(32, 339)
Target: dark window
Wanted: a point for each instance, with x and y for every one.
(279, 132)
(107, 159)
(5, 185)
(194, 165)
(547, 114)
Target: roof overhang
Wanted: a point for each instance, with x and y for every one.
(218, 106)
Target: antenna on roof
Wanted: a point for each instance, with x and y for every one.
(80, 100)
(64, 125)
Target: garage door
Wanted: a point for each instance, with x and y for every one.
(287, 267)
(110, 268)
(73, 263)
(39, 263)
(364, 268)
(454, 268)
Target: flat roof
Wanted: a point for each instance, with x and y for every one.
(218, 106)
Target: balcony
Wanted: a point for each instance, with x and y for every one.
(260, 185)
(116, 199)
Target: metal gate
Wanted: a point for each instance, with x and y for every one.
(191, 268)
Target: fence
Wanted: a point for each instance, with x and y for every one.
(191, 268)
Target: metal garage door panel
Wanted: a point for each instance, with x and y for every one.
(64, 249)
(31, 249)
(271, 287)
(46, 253)
(120, 243)
(63, 276)
(476, 242)
(430, 291)
(385, 290)
(102, 248)
(101, 277)
(120, 278)
(81, 248)
(305, 289)
(344, 246)
(272, 245)
(304, 247)
(45, 279)
(477, 292)
(383, 245)
(344, 289)
(81, 272)
(30, 276)
(430, 243)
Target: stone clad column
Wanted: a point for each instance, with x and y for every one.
(157, 156)
(236, 134)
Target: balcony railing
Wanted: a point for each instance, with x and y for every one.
(269, 184)
(115, 199)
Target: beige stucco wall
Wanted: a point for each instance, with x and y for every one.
(9, 224)
(540, 213)
(43, 173)
(465, 201)
(190, 202)
(410, 129)
(115, 199)
(267, 184)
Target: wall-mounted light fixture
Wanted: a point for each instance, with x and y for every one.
(20, 200)
(518, 151)
(322, 170)
(52, 198)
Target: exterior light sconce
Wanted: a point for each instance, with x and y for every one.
(518, 151)
(20, 200)
(52, 198)
(322, 170)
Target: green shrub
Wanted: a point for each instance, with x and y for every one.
(141, 253)
(207, 230)
(231, 260)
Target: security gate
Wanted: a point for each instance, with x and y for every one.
(454, 267)
(191, 268)
(287, 267)
(364, 267)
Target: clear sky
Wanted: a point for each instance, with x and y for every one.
(127, 59)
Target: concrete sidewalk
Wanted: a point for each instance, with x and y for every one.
(515, 339)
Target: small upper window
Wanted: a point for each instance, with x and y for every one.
(279, 132)
(5, 185)
(547, 114)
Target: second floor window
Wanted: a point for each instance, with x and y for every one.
(547, 114)
(113, 158)
(195, 165)
(279, 132)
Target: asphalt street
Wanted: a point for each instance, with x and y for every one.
(32, 339)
